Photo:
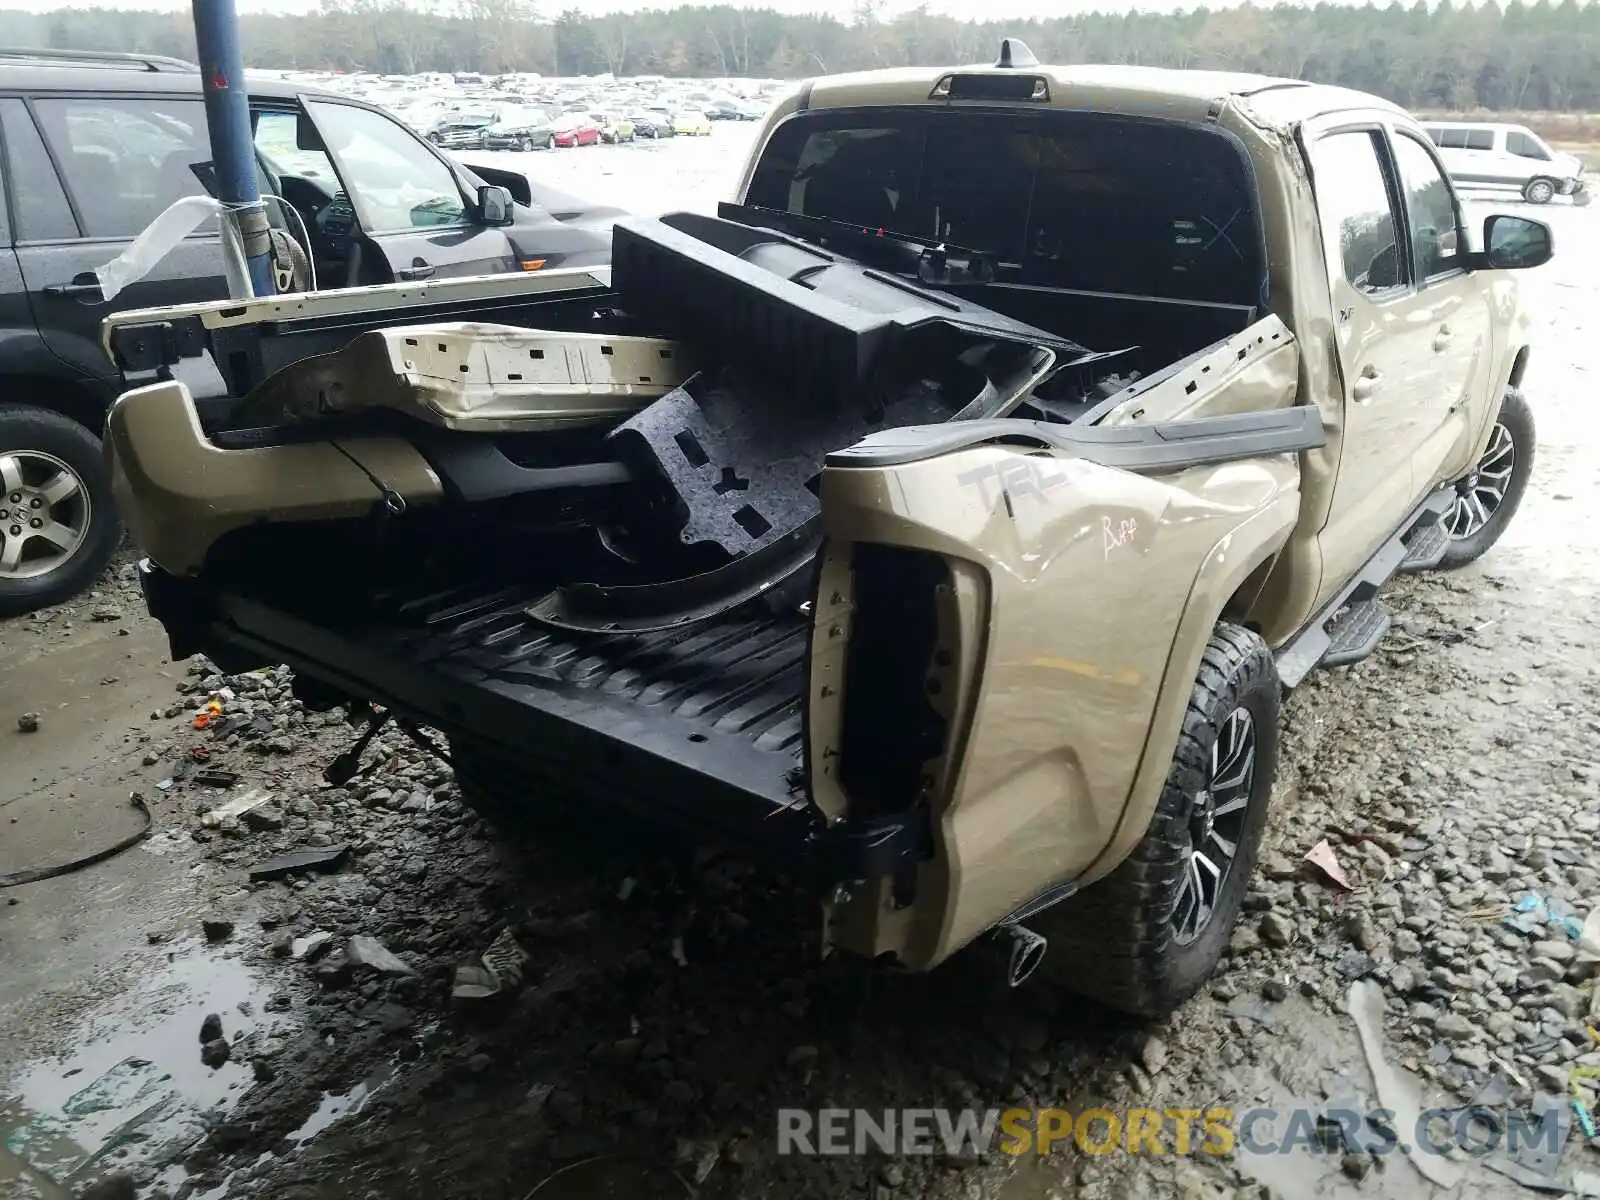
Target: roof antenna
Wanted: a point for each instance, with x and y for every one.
(1015, 53)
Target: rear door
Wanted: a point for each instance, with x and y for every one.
(88, 174)
(1383, 332)
(413, 208)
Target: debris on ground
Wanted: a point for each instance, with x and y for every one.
(215, 1052)
(364, 951)
(235, 808)
(317, 859)
(1322, 857)
(217, 929)
(28, 722)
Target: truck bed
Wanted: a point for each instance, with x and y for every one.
(699, 726)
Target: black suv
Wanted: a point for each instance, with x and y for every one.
(92, 148)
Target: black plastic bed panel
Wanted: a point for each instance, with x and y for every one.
(707, 717)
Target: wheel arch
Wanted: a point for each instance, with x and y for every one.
(74, 399)
(1231, 576)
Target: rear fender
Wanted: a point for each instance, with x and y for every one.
(1076, 602)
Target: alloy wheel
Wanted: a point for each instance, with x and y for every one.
(1216, 825)
(44, 513)
(1482, 490)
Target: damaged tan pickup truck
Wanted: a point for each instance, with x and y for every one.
(942, 521)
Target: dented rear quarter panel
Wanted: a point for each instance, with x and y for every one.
(1100, 588)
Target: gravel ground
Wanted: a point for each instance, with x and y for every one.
(659, 1007)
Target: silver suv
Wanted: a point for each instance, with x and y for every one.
(1483, 154)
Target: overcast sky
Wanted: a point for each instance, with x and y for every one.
(993, 9)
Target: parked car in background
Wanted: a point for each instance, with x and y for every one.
(651, 125)
(613, 127)
(1490, 154)
(95, 147)
(723, 110)
(462, 131)
(519, 129)
(692, 122)
(575, 129)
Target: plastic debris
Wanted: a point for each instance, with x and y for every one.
(208, 712)
(326, 858)
(1322, 857)
(1533, 911)
(235, 807)
(212, 777)
(498, 970)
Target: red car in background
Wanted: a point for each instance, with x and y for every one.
(575, 129)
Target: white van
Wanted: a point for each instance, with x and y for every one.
(1481, 154)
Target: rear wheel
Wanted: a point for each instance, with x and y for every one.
(58, 526)
(1148, 936)
(1539, 191)
(1488, 495)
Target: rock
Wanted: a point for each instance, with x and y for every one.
(1153, 1054)
(1356, 1165)
(414, 868)
(892, 1175)
(215, 1052)
(1275, 990)
(564, 1107)
(211, 1028)
(28, 722)
(262, 820)
(217, 929)
(364, 951)
(1471, 1056)
(1361, 931)
(1402, 980)
(1407, 944)
(1454, 1027)
(333, 972)
(311, 947)
(1569, 1001)
(106, 614)
(1275, 930)
(113, 1187)
(1561, 952)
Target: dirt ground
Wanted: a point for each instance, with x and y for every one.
(669, 1005)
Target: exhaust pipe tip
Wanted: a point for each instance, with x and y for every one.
(1025, 950)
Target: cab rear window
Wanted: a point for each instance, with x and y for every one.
(1062, 199)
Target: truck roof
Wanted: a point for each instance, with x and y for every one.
(1150, 91)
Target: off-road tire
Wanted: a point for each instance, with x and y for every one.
(1539, 191)
(1517, 417)
(24, 427)
(1114, 942)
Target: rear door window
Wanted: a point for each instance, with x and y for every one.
(1480, 139)
(1061, 199)
(126, 160)
(40, 212)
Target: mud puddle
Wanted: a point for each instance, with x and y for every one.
(134, 1090)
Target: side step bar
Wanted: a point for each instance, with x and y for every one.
(1350, 627)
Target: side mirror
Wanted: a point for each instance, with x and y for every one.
(1515, 243)
(495, 205)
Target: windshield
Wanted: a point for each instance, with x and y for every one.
(1060, 199)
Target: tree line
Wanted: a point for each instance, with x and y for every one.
(1516, 56)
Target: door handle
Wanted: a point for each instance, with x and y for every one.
(1366, 386)
(83, 291)
(417, 270)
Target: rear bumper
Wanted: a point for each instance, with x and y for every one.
(700, 755)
